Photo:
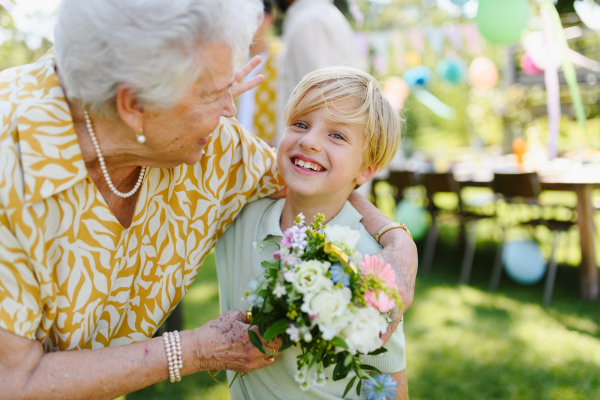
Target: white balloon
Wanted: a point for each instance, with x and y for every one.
(589, 13)
(535, 45)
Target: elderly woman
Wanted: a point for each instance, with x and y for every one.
(120, 166)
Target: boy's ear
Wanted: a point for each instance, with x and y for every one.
(367, 174)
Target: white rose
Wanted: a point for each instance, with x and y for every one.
(343, 236)
(362, 333)
(310, 277)
(331, 310)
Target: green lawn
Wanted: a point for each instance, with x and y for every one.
(462, 341)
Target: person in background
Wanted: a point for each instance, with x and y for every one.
(257, 107)
(315, 35)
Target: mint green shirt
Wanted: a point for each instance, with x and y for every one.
(238, 262)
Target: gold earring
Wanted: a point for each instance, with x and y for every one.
(141, 139)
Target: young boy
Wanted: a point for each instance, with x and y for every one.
(340, 131)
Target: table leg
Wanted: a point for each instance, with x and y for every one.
(589, 270)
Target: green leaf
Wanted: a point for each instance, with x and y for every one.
(255, 340)
(367, 367)
(348, 387)
(380, 350)
(268, 307)
(340, 371)
(276, 329)
(235, 377)
(338, 341)
(358, 387)
(348, 360)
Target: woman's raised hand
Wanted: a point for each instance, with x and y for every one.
(223, 344)
(240, 87)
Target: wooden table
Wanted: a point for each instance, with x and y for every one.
(583, 183)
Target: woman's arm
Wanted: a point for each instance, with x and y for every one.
(402, 391)
(398, 248)
(27, 373)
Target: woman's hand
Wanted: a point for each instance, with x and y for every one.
(240, 87)
(223, 344)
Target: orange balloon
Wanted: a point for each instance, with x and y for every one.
(483, 73)
(396, 91)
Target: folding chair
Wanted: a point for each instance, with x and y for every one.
(524, 189)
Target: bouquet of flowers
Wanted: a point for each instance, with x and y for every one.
(319, 293)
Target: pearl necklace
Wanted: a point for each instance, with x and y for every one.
(103, 165)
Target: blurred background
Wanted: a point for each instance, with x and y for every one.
(498, 179)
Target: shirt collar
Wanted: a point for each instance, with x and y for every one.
(50, 153)
(270, 226)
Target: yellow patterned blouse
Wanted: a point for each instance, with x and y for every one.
(70, 275)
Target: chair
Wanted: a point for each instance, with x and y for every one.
(524, 189)
(446, 183)
(400, 180)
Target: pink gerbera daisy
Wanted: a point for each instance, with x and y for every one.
(376, 267)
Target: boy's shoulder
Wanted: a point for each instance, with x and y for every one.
(350, 217)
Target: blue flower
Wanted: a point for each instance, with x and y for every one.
(338, 274)
(382, 387)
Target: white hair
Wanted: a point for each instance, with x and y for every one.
(150, 45)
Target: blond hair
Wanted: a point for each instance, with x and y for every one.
(333, 89)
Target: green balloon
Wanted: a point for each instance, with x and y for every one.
(502, 21)
(414, 216)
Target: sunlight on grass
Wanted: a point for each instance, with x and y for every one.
(468, 344)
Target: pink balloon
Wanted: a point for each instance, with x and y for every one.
(528, 66)
(396, 91)
(483, 73)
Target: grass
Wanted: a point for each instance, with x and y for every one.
(463, 342)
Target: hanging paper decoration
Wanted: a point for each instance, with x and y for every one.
(451, 70)
(417, 40)
(380, 46)
(568, 68)
(362, 45)
(471, 33)
(418, 79)
(529, 67)
(502, 21)
(396, 91)
(459, 2)
(453, 34)
(413, 59)
(397, 51)
(436, 40)
(483, 73)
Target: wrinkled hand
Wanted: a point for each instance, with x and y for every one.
(240, 87)
(400, 252)
(223, 344)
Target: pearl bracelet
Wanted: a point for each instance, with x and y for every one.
(173, 349)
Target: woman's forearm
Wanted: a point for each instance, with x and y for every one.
(95, 374)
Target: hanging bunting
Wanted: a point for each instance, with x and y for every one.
(396, 40)
(417, 41)
(362, 45)
(471, 34)
(380, 46)
(418, 79)
(436, 39)
(453, 35)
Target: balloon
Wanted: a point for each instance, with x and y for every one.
(460, 2)
(483, 74)
(414, 216)
(523, 261)
(529, 67)
(502, 21)
(396, 91)
(418, 76)
(412, 58)
(589, 13)
(451, 70)
(536, 47)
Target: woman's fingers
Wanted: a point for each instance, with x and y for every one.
(240, 87)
